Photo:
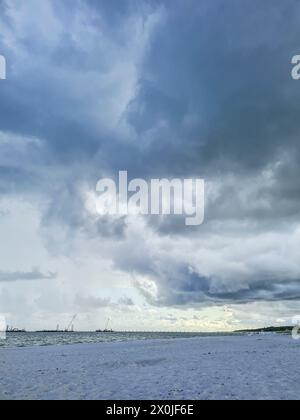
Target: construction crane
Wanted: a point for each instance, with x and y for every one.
(70, 327)
(107, 330)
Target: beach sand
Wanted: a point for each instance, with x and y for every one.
(248, 367)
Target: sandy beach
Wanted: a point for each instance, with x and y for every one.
(249, 367)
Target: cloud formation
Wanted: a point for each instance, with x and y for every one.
(26, 276)
(167, 91)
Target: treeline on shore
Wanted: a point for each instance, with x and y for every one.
(281, 330)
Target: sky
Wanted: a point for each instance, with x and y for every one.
(187, 89)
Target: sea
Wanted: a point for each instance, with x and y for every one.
(32, 339)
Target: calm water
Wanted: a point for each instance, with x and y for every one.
(50, 339)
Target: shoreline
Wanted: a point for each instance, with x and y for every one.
(35, 339)
(202, 368)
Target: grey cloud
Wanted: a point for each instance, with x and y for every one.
(223, 92)
(169, 318)
(183, 288)
(92, 302)
(126, 301)
(26, 276)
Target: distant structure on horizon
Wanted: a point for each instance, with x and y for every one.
(68, 329)
(14, 330)
(107, 329)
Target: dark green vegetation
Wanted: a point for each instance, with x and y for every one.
(281, 330)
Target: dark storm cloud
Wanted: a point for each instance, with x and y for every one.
(191, 287)
(209, 95)
(180, 286)
(221, 85)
